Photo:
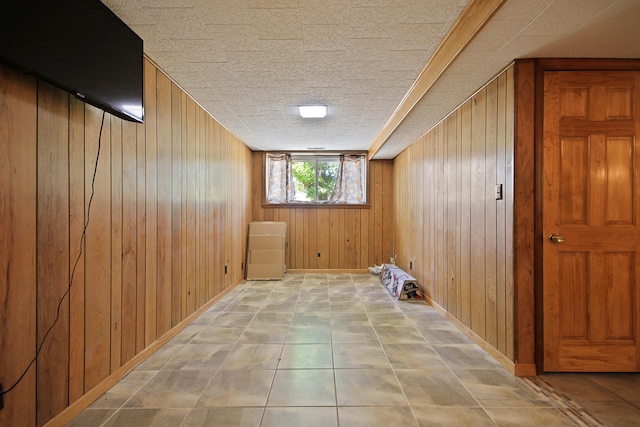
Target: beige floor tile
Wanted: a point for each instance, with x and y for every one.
(399, 334)
(253, 356)
(306, 356)
(92, 417)
(224, 417)
(466, 356)
(308, 335)
(412, 356)
(368, 387)
(351, 334)
(117, 395)
(376, 416)
(499, 388)
(199, 357)
(303, 387)
(311, 319)
(359, 355)
(264, 334)
(233, 320)
(218, 335)
(529, 417)
(237, 388)
(348, 354)
(438, 387)
(445, 416)
(147, 418)
(171, 389)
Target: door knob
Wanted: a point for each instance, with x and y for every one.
(556, 238)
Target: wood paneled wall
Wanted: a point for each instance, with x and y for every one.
(450, 231)
(347, 238)
(169, 215)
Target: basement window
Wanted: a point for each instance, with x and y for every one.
(315, 179)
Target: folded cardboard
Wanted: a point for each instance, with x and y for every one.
(266, 242)
(265, 256)
(265, 271)
(266, 250)
(268, 228)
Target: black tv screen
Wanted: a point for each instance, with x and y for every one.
(79, 46)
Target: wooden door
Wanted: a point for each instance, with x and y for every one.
(590, 200)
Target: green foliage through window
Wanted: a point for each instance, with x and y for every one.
(314, 178)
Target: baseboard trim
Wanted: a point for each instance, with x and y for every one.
(71, 411)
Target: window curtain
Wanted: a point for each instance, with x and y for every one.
(281, 189)
(348, 187)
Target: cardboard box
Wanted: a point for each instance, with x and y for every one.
(266, 250)
(265, 271)
(266, 242)
(265, 256)
(268, 228)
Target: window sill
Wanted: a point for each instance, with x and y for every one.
(317, 205)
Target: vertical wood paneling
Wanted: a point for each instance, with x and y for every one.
(141, 231)
(458, 231)
(151, 210)
(129, 241)
(491, 154)
(164, 207)
(177, 197)
(478, 212)
(218, 263)
(18, 291)
(98, 249)
(52, 251)
(116, 243)
(130, 284)
(76, 259)
(191, 260)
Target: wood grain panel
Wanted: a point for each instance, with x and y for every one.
(164, 205)
(98, 249)
(52, 251)
(130, 284)
(129, 241)
(116, 242)
(491, 205)
(18, 291)
(76, 248)
(177, 198)
(151, 204)
(453, 225)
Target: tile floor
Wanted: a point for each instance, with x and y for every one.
(335, 350)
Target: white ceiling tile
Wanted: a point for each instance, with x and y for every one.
(251, 62)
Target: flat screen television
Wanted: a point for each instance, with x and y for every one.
(80, 46)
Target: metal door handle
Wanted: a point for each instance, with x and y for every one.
(556, 238)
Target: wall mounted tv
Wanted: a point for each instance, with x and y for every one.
(79, 46)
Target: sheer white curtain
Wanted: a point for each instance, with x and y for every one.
(280, 188)
(349, 186)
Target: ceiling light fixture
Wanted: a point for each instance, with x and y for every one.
(312, 111)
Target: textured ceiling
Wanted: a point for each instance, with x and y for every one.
(249, 63)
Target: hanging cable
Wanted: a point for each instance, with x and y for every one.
(73, 271)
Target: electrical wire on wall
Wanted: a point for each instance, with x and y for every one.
(73, 271)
